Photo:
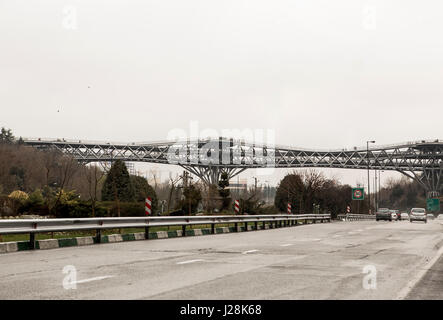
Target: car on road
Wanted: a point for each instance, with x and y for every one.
(397, 214)
(418, 214)
(383, 214)
(404, 216)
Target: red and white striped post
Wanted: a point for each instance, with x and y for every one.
(289, 209)
(148, 206)
(237, 206)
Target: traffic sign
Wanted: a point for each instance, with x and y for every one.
(237, 206)
(433, 204)
(358, 194)
(148, 206)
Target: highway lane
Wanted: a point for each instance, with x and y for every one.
(319, 261)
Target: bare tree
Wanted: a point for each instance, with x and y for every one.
(66, 166)
(93, 175)
(154, 177)
(172, 182)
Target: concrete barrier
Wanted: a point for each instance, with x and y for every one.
(48, 244)
(84, 241)
(115, 238)
(139, 236)
(162, 234)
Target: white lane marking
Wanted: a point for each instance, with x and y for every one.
(359, 230)
(286, 245)
(337, 235)
(250, 251)
(190, 261)
(93, 279)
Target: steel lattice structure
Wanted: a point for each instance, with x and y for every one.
(208, 158)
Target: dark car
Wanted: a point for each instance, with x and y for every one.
(383, 214)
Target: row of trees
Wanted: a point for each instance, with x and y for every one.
(50, 183)
(402, 194)
(307, 190)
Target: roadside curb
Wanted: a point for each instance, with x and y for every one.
(6, 247)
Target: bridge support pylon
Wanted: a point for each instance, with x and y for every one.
(210, 175)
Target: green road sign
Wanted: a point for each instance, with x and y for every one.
(433, 204)
(358, 193)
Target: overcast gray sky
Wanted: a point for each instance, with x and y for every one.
(319, 73)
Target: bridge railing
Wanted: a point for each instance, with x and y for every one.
(355, 217)
(34, 226)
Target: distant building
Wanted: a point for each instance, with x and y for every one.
(240, 185)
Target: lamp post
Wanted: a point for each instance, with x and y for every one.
(255, 185)
(369, 183)
(267, 191)
(375, 191)
(379, 185)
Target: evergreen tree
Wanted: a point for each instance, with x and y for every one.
(118, 186)
(144, 190)
(192, 197)
(224, 193)
(6, 135)
(291, 189)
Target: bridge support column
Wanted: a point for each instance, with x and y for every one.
(210, 174)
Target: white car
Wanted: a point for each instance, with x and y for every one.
(418, 214)
(404, 216)
(394, 216)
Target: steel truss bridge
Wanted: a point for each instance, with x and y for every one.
(209, 158)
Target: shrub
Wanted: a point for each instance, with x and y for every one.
(19, 195)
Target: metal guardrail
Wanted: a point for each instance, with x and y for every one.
(355, 217)
(33, 226)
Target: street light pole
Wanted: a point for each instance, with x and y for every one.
(375, 191)
(379, 184)
(369, 183)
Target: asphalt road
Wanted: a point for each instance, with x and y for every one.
(320, 261)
